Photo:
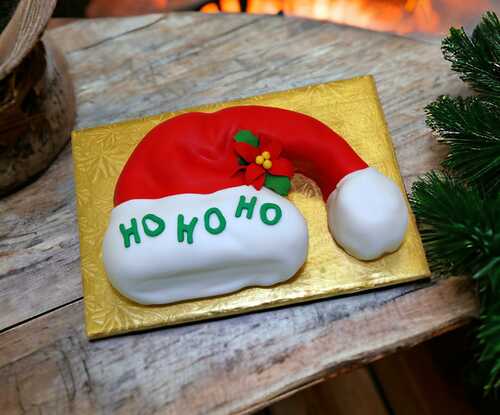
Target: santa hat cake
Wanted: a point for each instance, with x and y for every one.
(200, 207)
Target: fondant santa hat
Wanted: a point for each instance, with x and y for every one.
(199, 206)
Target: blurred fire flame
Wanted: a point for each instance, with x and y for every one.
(398, 16)
(425, 17)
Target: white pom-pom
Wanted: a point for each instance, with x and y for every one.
(367, 214)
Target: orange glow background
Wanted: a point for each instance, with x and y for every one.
(432, 17)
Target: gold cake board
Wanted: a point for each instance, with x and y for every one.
(350, 107)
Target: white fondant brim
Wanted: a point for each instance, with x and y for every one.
(161, 270)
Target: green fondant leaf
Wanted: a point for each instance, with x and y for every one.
(246, 136)
(279, 184)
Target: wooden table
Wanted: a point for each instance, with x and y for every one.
(125, 68)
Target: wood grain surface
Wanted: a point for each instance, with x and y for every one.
(124, 68)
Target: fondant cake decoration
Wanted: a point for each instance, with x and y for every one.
(200, 207)
(262, 162)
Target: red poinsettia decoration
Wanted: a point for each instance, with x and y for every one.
(262, 162)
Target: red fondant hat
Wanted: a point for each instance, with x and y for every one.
(196, 153)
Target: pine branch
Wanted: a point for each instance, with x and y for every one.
(459, 217)
(477, 58)
(488, 336)
(461, 232)
(470, 126)
(460, 229)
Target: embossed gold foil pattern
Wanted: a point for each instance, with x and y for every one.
(350, 107)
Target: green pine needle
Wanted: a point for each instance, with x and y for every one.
(488, 336)
(477, 58)
(470, 126)
(460, 228)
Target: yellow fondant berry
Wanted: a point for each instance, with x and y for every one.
(259, 159)
(266, 155)
(267, 164)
